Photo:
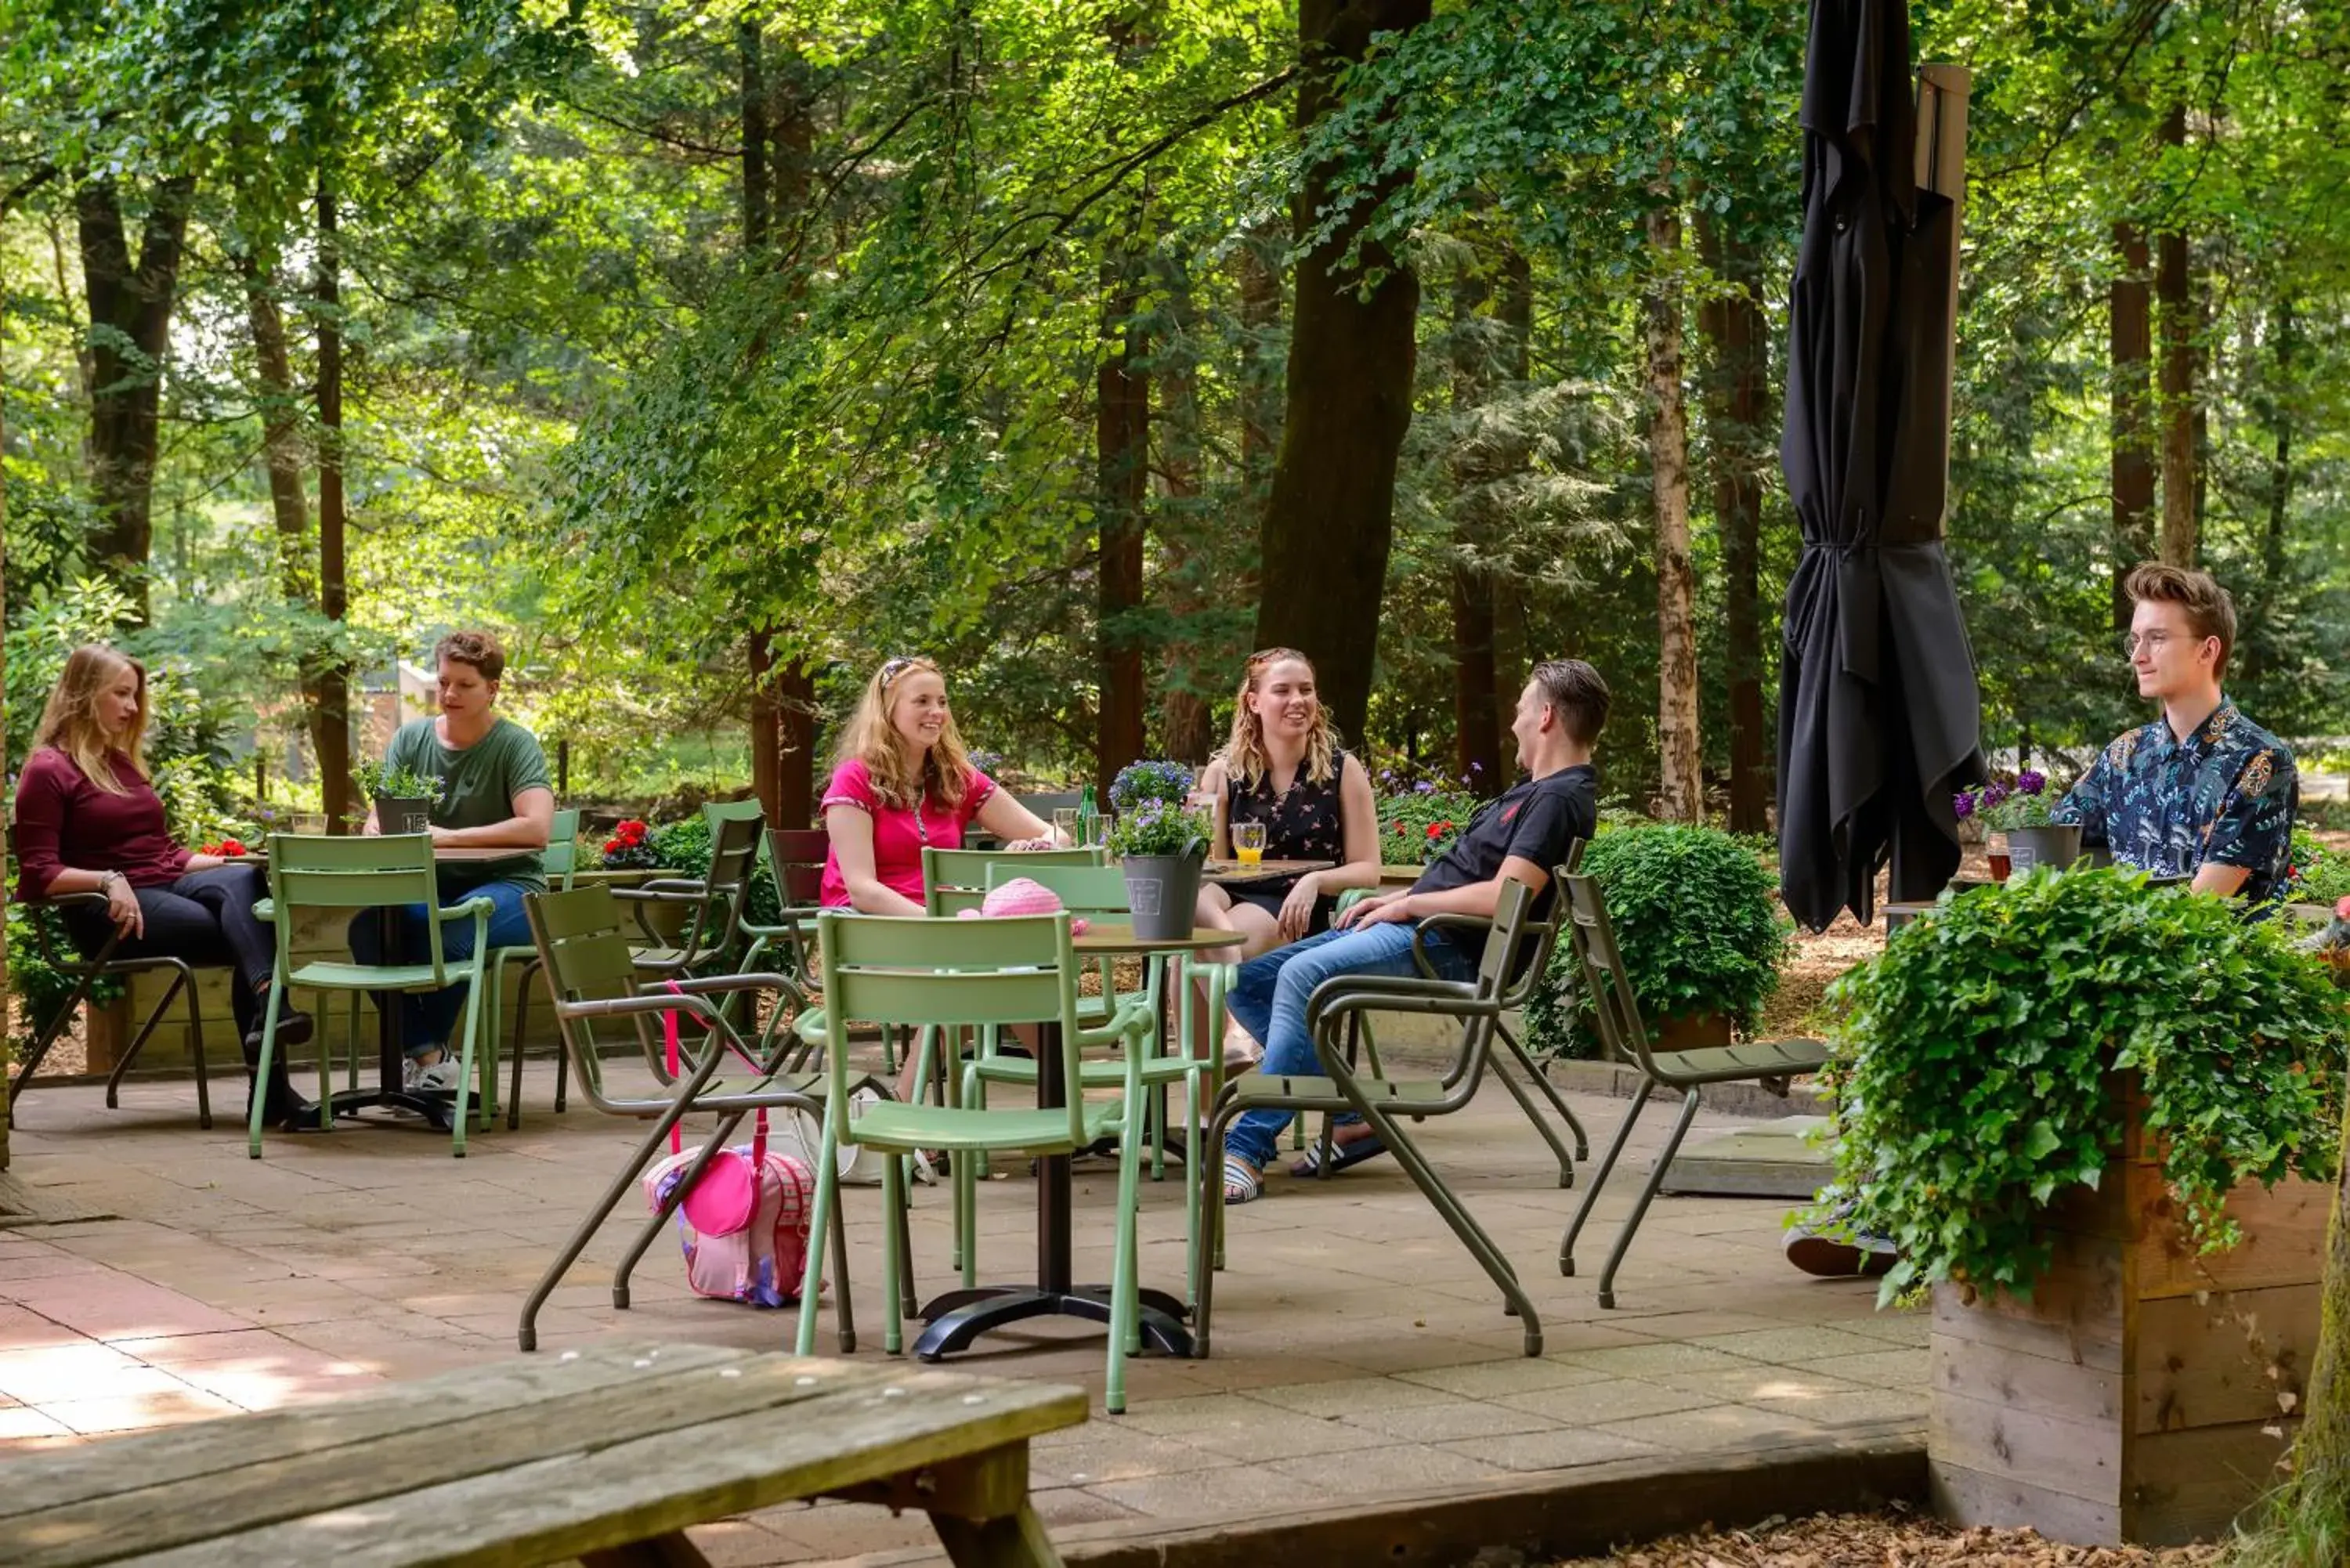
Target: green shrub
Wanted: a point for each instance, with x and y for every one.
(682, 848)
(1973, 1061)
(40, 990)
(1697, 920)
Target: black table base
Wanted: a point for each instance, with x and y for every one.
(958, 1317)
(435, 1109)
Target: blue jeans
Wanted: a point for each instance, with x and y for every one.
(426, 1017)
(1269, 1000)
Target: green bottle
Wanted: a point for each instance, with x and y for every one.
(1088, 818)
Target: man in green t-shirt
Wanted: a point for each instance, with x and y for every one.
(493, 794)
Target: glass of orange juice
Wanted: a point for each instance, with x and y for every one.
(1248, 842)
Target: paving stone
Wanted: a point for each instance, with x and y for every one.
(1350, 1398)
(1711, 1426)
(1592, 1404)
(1638, 1360)
(1791, 1344)
(1494, 1379)
(135, 1412)
(1450, 1421)
(1558, 1447)
(1405, 1467)
(1882, 1369)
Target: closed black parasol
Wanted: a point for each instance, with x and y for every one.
(1879, 717)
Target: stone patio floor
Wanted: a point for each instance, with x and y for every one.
(1359, 1352)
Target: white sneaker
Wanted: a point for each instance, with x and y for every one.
(440, 1078)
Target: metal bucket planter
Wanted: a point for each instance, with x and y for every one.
(2027, 847)
(398, 813)
(1163, 891)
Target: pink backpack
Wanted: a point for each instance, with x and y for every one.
(744, 1225)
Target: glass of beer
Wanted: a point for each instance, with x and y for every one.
(1248, 842)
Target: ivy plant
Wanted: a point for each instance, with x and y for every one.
(1697, 920)
(1972, 1073)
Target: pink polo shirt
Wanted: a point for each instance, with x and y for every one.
(898, 835)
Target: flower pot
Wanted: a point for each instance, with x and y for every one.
(2142, 1394)
(2028, 847)
(1692, 1030)
(1163, 891)
(398, 813)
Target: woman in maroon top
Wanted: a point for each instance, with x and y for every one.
(88, 821)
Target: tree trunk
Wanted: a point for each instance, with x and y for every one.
(1476, 725)
(1260, 375)
(7, 1056)
(1679, 793)
(1737, 408)
(783, 735)
(1186, 729)
(2174, 289)
(281, 453)
(2280, 401)
(130, 325)
(2130, 333)
(1122, 480)
(1329, 518)
(332, 730)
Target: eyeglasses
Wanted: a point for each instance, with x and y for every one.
(2153, 642)
(894, 669)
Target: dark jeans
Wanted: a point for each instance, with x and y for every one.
(426, 1017)
(205, 919)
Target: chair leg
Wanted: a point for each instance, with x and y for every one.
(1125, 1316)
(1548, 1091)
(826, 1218)
(471, 1027)
(1600, 1180)
(261, 1068)
(1648, 1192)
(526, 1330)
(893, 1202)
(1540, 1126)
(44, 1040)
(562, 1078)
(196, 1053)
(1455, 1214)
(351, 1047)
(181, 975)
(522, 1031)
(839, 1228)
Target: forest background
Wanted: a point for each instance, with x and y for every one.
(711, 353)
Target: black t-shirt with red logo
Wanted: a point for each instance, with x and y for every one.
(1536, 821)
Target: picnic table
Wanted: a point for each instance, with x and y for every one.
(605, 1454)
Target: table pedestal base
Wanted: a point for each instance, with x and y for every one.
(434, 1109)
(958, 1317)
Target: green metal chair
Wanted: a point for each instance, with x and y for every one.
(593, 978)
(1385, 1103)
(796, 857)
(560, 860)
(1770, 1063)
(371, 872)
(712, 924)
(954, 880)
(951, 975)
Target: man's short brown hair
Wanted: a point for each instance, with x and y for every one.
(2210, 611)
(1578, 695)
(478, 648)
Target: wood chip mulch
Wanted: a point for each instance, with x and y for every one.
(1894, 1539)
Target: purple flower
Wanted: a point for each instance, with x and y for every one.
(2030, 781)
(1963, 803)
(1993, 793)
(1424, 787)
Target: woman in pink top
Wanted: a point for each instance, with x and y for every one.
(88, 821)
(904, 784)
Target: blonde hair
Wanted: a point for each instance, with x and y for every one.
(69, 720)
(946, 771)
(1245, 757)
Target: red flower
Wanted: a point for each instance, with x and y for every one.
(612, 846)
(2342, 908)
(1435, 831)
(230, 846)
(631, 832)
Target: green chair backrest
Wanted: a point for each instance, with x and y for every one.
(1607, 984)
(734, 856)
(584, 948)
(358, 871)
(715, 812)
(915, 973)
(1082, 889)
(954, 880)
(560, 860)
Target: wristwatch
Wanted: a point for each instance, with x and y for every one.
(106, 880)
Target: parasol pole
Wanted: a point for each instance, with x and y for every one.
(1941, 169)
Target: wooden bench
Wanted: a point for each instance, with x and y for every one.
(605, 1455)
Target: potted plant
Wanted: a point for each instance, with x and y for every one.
(403, 798)
(2021, 807)
(2078, 1106)
(1697, 919)
(1161, 849)
(629, 848)
(1420, 823)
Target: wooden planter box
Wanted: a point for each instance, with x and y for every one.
(2144, 1394)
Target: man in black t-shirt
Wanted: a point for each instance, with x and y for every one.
(1521, 837)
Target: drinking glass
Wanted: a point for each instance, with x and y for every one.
(1248, 842)
(1102, 826)
(1065, 824)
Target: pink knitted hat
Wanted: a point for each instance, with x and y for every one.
(1023, 896)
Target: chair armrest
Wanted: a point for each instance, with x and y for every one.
(707, 984)
(84, 901)
(470, 907)
(1345, 993)
(633, 1006)
(670, 893)
(1460, 922)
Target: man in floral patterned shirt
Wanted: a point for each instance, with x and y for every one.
(2202, 792)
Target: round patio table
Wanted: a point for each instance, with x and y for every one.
(960, 1316)
(1234, 874)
